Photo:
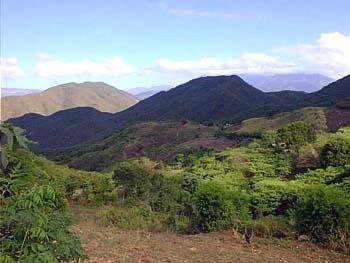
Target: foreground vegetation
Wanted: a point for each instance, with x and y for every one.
(288, 184)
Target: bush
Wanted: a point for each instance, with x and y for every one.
(271, 226)
(135, 179)
(323, 212)
(336, 152)
(275, 196)
(141, 218)
(31, 230)
(296, 134)
(214, 204)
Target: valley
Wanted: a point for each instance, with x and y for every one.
(180, 177)
(155, 131)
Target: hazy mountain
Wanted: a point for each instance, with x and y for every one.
(145, 92)
(296, 82)
(226, 98)
(98, 95)
(17, 92)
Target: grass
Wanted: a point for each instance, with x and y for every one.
(110, 244)
(314, 115)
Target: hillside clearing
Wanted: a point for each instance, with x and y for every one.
(108, 244)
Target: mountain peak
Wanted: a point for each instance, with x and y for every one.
(98, 95)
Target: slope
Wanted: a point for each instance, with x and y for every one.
(68, 127)
(206, 100)
(98, 95)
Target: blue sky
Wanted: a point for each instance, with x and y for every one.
(144, 43)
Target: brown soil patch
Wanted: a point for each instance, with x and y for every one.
(337, 118)
(210, 143)
(106, 244)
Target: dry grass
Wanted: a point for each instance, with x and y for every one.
(106, 244)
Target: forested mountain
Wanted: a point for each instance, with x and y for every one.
(332, 93)
(68, 127)
(98, 95)
(206, 100)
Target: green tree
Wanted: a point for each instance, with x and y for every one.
(323, 212)
(135, 180)
(31, 230)
(214, 204)
(336, 152)
(296, 134)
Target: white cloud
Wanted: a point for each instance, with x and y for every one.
(55, 68)
(329, 56)
(9, 68)
(198, 13)
(44, 56)
(257, 63)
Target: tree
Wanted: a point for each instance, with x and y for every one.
(31, 230)
(323, 212)
(135, 180)
(296, 134)
(336, 152)
(214, 204)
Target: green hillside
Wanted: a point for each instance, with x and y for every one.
(315, 115)
(291, 184)
(208, 100)
(165, 140)
(160, 141)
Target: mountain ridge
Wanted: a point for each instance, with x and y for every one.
(205, 100)
(99, 95)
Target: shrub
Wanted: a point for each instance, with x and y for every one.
(214, 204)
(31, 230)
(321, 176)
(296, 134)
(323, 212)
(275, 196)
(135, 179)
(271, 226)
(336, 152)
(141, 218)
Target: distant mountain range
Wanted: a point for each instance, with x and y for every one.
(296, 82)
(268, 83)
(145, 92)
(98, 95)
(206, 99)
(17, 92)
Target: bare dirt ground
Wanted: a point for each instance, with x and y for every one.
(108, 244)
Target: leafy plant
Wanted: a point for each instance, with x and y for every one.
(214, 203)
(337, 151)
(323, 212)
(30, 228)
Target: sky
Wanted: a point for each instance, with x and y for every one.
(141, 43)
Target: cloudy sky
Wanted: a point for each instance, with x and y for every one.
(131, 43)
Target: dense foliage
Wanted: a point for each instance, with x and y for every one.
(259, 186)
(337, 151)
(323, 213)
(31, 228)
